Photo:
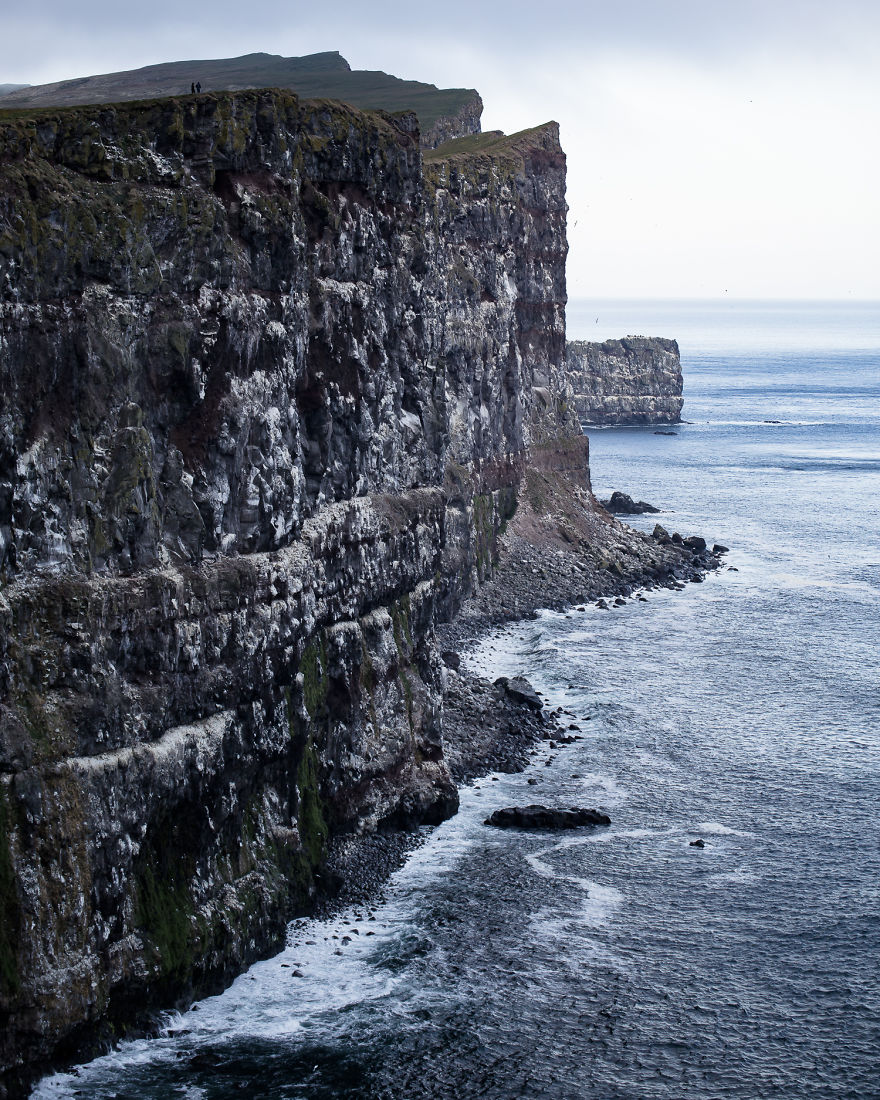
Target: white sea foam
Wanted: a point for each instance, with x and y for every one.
(605, 836)
(601, 903)
(655, 762)
(547, 930)
(715, 828)
(612, 793)
(740, 876)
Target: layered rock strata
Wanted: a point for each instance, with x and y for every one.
(270, 385)
(637, 380)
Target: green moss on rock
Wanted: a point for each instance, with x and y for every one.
(310, 811)
(313, 668)
(164, 912)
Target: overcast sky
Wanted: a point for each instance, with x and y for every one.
(716, 147)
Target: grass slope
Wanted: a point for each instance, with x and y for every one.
(316, 76)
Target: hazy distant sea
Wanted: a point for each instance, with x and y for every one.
(624, 963)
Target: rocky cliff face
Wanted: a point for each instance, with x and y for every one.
(269, 383)
(456, 124)
(632, 381)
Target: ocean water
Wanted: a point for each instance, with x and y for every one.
(623, 962)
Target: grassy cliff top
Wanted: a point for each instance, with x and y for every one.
(495, 145)
(320, 75)
(225, 123)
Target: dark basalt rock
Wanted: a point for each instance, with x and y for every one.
(451, 659)
(719, 549)
(698, 843)
(236, 499)
(544, 817)
(661, 535)
(520, 691)
(621, 504)
(695, 543)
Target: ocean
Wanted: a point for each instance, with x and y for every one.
(745, 711)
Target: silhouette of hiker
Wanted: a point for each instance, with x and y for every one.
(198, 85)
(192, 89)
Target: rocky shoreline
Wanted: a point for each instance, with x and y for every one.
(495, 727)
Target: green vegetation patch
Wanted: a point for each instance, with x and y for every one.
(484, 533)
(316, 683)
(325, 76)
(165, 911)
(493, 144)
(311, 821)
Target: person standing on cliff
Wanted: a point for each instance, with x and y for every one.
(198, 85)
(192, 89)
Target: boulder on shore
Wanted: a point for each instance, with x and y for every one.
(521, 691)
(544, 817)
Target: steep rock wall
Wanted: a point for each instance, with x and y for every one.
(637, 380)
(269, 385)
(466, 120)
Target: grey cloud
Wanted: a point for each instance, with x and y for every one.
(56, 32)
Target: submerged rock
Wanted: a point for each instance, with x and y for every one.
(622, 504)
(544, 817)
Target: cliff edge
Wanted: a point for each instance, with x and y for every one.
(443, 113)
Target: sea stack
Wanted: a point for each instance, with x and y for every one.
(636, 380)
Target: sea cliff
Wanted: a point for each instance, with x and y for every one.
(277, 391)
(267, 389)
(636, 380)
